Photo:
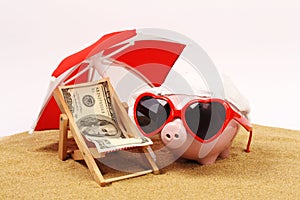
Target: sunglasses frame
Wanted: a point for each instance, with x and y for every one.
(231, 114)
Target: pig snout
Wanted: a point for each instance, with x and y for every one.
(174, 134)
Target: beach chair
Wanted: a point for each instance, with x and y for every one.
(86, 150)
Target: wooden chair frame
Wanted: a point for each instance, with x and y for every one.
(68, 125)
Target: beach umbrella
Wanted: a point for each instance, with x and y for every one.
(143, 52)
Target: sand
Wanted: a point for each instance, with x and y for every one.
(30, 169)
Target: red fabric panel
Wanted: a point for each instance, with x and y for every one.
(49, 118)
(152, 58)
(95, 48)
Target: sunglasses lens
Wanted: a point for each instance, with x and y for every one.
(205, 119)
(152, 113)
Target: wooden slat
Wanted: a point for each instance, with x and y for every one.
(96, 154)
(151, 161)
(128, 176)
(63, 137)
(77, 155)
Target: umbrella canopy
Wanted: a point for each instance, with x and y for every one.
(140, 55)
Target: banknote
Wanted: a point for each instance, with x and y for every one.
(92, 109)
(112, 144)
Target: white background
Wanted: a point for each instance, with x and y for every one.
(257, 43)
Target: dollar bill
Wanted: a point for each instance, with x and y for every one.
(92, 109)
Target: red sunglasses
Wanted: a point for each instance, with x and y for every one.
(204, 118)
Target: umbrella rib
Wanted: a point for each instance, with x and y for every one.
(119, 50)
(77, 75)
(92, 73)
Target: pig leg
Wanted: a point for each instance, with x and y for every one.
(211, 159)
(225, 153)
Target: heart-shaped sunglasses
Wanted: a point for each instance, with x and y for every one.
(204, 118)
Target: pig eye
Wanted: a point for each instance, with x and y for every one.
(205, 119)
(152, 113)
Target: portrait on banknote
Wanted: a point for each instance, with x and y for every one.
(91, 105)
(98, 126)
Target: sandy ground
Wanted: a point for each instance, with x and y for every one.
(30, 169)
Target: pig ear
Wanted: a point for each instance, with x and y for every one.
(234, 96)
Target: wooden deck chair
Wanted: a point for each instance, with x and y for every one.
(89, 153)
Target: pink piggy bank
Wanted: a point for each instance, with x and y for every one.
(199, 128)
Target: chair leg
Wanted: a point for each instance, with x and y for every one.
(63, 137)
(155, 168)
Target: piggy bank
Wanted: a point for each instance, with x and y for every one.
(194, 127)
